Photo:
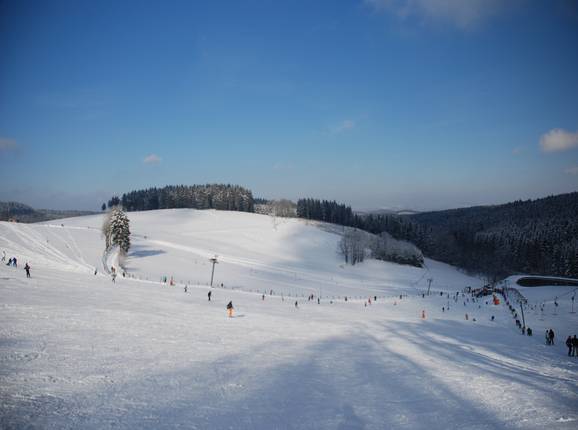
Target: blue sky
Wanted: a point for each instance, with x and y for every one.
(423, 104)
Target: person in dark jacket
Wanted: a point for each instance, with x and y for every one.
(209, 295)
(551, 336)
(575, 346)
(569, 345)
(27, 268)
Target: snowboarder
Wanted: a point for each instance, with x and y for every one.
(27, 268)
(230, 309)
(551, 336)
(569, 345)
(209, 295)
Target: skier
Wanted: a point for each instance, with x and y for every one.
(9, 262)
(574, 346)
(547, 337)
(3, 255)
(569, 345)
(230, 309)
(14, 262)
(27, 268)
(551, 336)
(186, 288)
(296, 304)
(113, 276)
(209, 295)
(263, 297)
(95, 271)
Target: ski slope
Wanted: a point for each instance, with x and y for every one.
(78, 351)
(255, 253)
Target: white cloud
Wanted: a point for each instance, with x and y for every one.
(7, 145)
(463, 14)
(345, 125)
(572, 170)
(152, 159)
(558, 140)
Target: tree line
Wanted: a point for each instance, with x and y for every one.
(533, 237)
(211, 196)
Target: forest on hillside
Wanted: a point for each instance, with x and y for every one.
(532, 237)
(19, 212)
(210, 196)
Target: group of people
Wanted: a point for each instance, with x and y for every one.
(13, 262)
(572, 344)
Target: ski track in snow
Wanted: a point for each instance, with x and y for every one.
(77, 351)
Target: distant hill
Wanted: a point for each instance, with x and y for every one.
(19, 212)
(533, 236)
(363, 212)
(523, 237)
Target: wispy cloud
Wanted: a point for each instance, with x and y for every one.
(463, 14)
(344, 126)
(557, 140)
(518, 150)
(152, 159)
(7, 145)
(572, 170)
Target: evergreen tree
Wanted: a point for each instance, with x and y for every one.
(119, 231)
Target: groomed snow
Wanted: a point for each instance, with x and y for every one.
(77, 351)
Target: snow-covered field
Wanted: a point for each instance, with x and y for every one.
(77, 351)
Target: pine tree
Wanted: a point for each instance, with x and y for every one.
(119, 230)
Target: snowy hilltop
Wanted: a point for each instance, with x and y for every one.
(312, 342)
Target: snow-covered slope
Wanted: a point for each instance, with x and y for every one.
(77, 351)
(255, 252)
